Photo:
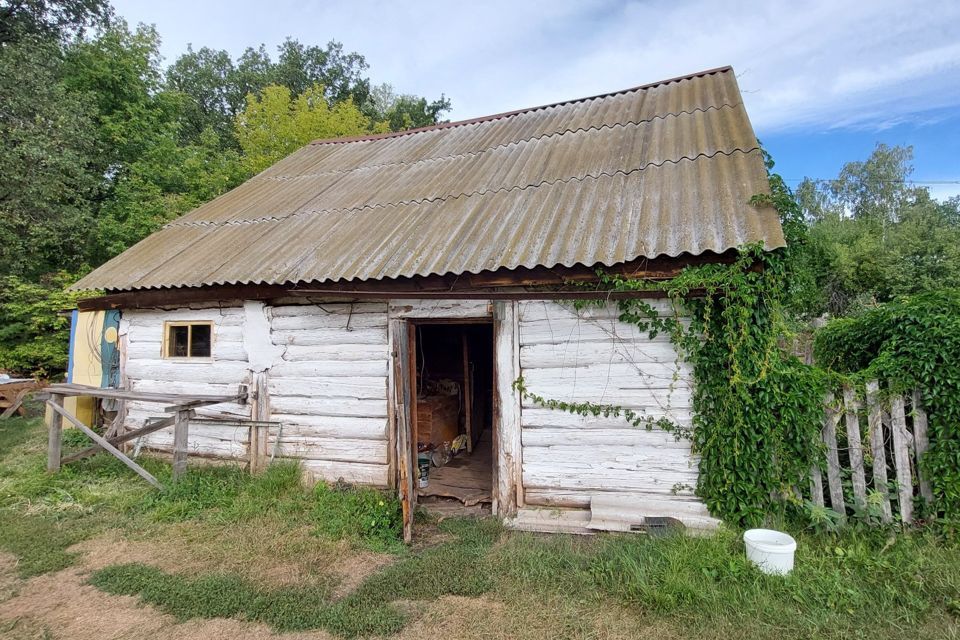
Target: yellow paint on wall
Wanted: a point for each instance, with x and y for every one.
(87, 368)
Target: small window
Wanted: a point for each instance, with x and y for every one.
(187, 340)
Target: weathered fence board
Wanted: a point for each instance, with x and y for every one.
(893, 434)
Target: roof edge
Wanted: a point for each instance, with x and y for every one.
(507, 114)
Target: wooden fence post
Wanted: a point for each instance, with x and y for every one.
(180, 433)
(901, 457)
(855, 447)
(830, 421)
(921, 443)
(877, 449)
(54, 434)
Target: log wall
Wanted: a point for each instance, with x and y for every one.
(326, 382)
(590, 356)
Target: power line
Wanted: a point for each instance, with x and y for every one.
(891, 181)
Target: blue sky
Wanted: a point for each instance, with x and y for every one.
(823, 81)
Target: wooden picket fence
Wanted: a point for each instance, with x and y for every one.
(892, 435)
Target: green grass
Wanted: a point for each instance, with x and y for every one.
(856, 584)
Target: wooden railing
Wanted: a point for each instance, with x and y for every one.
(878, 431)
(181, 406)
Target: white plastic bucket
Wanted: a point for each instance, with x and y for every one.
(772, 551)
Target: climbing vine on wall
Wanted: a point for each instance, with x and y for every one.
(757, 408)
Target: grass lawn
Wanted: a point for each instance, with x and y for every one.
(95, 552)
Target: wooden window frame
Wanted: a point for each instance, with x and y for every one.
(165, 344)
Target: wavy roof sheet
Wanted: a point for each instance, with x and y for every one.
(662, 169)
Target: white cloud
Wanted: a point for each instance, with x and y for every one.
(810, 65)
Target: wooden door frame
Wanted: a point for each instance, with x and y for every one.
(506, 465)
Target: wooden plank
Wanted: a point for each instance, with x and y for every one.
(180, 434)
(877, 448)
(140, 471)
(126, 437)
(162, 398)
(507, 468)
(260, 412)
(54, 433)
(404, 402)
(921, 443)
(901, 457)
(816, 486)
(854, 446)
(831, 418)
(17, 403)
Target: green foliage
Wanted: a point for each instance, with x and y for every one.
(874, 236)
(47, 138)
(49, 19)
(34, 333)
(914, 342)
(276, 123)
(359, 514)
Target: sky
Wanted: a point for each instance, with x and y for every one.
(823, 81)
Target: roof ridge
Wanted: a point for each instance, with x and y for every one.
(507, 114)
(479, 192)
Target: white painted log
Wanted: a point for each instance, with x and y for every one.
(441, 309)
(153, 332)
(322, 320)
(551, 520)
(332, 308)
(163, 386)
(534, 417)
(149, 318)
(334, 449)
(336, 352)
(587, 440)
(563, 330)
(188, 371)
(679, 399)
(575, 354)
(357, 473)
(581, 499)
(330, 369)
(330, 336)
(603, 376)
(598, 475)
(329, 406)
(370, 387)
(330, 426)
(146, 350)
(532, 310)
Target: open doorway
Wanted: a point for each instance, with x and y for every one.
(453, 421)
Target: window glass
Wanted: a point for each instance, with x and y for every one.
(200, 341)
(179, 344)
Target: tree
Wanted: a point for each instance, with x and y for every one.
(47, 140)
(276, 123)
(875, 236)
(49, 19)
(403, 111)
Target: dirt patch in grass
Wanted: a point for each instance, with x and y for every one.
(9, 580)
(262, 552)
(62, 605)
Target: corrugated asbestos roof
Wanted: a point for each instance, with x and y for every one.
(662, 169)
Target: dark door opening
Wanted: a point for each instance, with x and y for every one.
(453, 417)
